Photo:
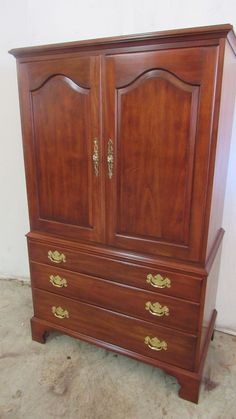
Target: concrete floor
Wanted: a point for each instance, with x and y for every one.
(70, 379)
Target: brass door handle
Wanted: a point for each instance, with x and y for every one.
(156, 309)
(60, 313)
(56, 256)
(155, 344)
(110, 158)
(95, 157)
(158, 281)
(57, 281)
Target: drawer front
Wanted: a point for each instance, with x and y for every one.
(165, 282)
(138, 336)
(150, 306)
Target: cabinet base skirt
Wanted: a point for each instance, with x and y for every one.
(189, 381)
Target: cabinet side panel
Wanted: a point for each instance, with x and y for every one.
(210, 297)
(223, 145)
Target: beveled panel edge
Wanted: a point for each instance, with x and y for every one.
(204, 32)
(155, 73)
(95, 249)
(69, 82)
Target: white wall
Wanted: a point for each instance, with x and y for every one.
(31, 22)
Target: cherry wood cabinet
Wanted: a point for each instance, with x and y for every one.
(126, 142)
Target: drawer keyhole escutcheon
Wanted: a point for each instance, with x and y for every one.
(56, 256)
(155, 344)
(156, 309)
(57, 281)
(60, 313)
(158, 281)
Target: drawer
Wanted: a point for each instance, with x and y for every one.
(126, 332)
(133, 274)
(150, 306)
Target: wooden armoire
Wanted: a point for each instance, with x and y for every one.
(126, 142)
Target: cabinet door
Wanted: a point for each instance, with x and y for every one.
(60, 113)
(158, 122)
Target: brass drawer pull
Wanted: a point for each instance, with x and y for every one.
(60, 313)
(110, 158)
(95, 156)
(155, 344)
(57, 281)
(56, 256)
(156, 309)
(158, 281)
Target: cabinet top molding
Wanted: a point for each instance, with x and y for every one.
(204, 33)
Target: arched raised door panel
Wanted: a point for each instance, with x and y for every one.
(60, 109)
(155, 182)
(64, 125)
(156, 186)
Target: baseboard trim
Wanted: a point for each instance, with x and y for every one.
(16, 278)
(224, 330)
